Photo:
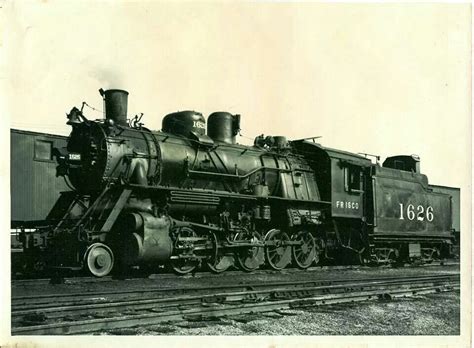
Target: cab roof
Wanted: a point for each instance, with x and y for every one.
(345, 156)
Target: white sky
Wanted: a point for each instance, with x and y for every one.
(383, 79)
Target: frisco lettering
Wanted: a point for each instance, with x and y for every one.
(347, 205)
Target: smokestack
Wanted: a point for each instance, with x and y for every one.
(116, 101)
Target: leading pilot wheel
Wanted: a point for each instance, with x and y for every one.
(99, 259)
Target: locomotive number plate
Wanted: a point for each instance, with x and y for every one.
(197, 124)
(74, 156)
(420, 213)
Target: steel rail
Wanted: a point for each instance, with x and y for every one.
(55, 310)
(88, 326)
(18, 282)
(225, 305)
(20, 302)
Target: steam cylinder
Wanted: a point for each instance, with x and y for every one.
(116, 102)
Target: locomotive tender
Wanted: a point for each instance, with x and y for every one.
(188, 198)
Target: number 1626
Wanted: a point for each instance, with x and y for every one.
(420, 213)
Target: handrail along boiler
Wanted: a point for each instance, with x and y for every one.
(188, 198)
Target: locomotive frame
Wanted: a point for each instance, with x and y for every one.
(184, 198)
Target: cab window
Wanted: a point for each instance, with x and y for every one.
(352, 179)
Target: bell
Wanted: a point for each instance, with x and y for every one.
(74, 116)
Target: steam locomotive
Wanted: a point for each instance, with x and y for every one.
(187, 198)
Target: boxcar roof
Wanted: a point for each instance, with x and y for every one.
(14, 130)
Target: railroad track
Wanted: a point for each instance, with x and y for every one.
(44, 301)
(138, 275)
(101, 312)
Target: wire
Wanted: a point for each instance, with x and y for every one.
(245, 137)
(93, 108)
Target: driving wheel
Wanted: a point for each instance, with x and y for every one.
(252, 257)
(306, 252)
(183, 261)
(277, 254)
(219, 262)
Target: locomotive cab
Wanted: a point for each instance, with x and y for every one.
(340, 176)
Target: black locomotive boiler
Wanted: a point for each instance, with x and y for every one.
(187, 198)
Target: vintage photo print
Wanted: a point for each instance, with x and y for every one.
(269, 174)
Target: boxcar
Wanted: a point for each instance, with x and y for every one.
(34, 187)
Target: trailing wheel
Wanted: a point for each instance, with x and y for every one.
(307, 251)
(249, 258)
(277, 255)
(219, 262)
(393, 257)
(361, 258)
(430, 255)
(99, 259)
(183, 260)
